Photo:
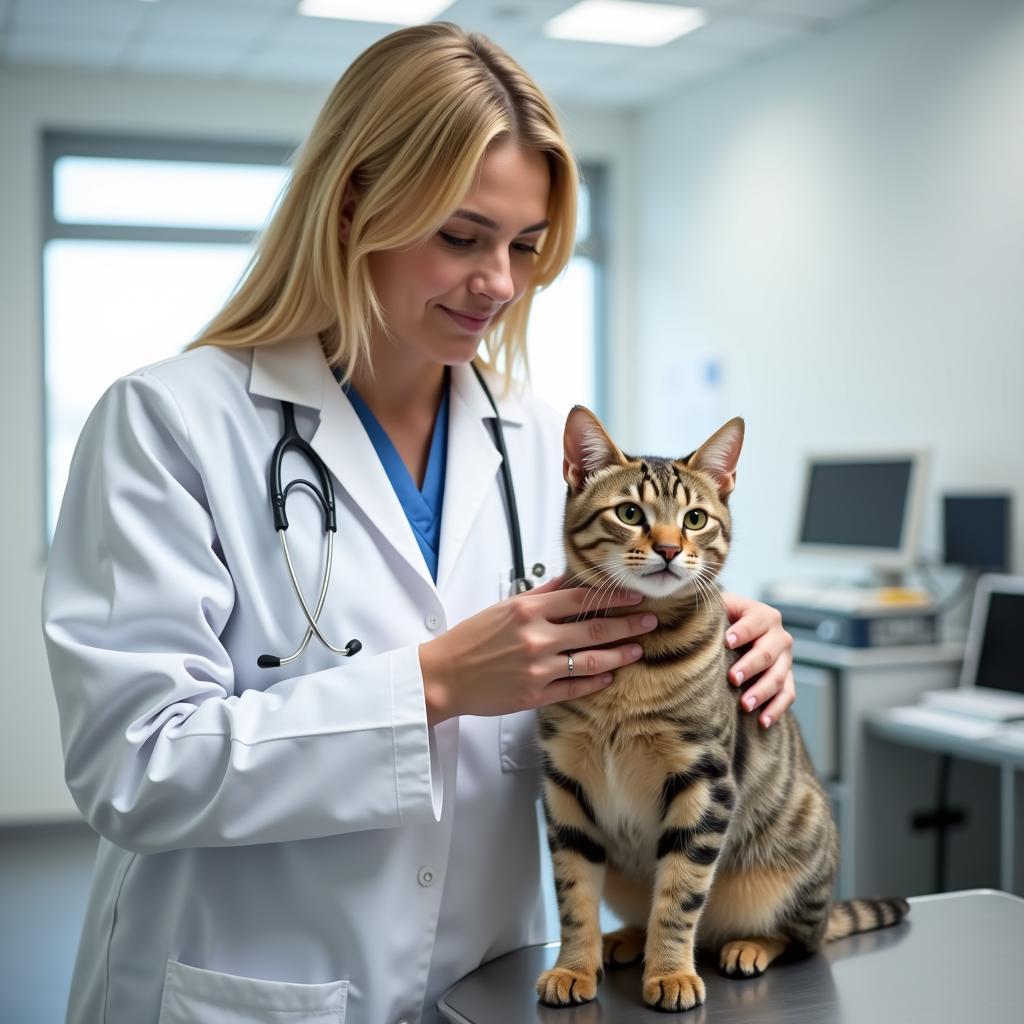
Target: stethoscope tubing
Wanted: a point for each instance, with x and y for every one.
(290, 439)
(312, 620)
(519, 581)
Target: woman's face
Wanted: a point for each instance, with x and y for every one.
(468, 266)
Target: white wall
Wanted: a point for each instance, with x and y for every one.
(31, 773)
(842, 224)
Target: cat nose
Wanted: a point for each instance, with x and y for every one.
(667, 551)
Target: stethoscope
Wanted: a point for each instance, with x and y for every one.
(291, 441)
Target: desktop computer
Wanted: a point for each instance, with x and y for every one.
(865, 506)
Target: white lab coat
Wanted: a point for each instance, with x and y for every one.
(280, 843)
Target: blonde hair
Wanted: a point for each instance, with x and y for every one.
(405, 129)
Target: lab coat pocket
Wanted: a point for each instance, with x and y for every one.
(196, 996)
(517, 737)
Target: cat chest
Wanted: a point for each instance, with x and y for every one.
(628, 810)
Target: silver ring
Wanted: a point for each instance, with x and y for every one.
(571, 666)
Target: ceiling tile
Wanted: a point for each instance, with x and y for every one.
(570, 57)
(742, 33)
(180, 60)
(51, 46)
(231, 6)
(197, 51)
(212, 22)
(827, 10)
(328, 33)
(609, 94)
(296, 66)
(121, 16)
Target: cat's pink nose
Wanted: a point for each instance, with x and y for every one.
(667, 551)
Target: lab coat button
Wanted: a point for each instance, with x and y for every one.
(425, 877)
(432, 622)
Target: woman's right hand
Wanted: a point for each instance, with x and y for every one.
(512, 655)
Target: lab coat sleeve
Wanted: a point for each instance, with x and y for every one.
(161, 751)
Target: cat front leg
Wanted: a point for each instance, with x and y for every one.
(579, 863)
(688, 848)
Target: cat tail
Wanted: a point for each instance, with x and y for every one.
(852, 916)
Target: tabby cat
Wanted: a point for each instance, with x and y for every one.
(660, 794)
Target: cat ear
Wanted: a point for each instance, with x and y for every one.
(718, 456)
(587, 447)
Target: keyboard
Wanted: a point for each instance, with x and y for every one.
(947, 722)
(996, 705)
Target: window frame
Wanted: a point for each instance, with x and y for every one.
(595, 247)
(58, 143)
(140, 147)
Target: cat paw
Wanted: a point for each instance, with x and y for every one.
(623, 946)
(562, 987)
(749, 958)
(673, 991)
(743, 959)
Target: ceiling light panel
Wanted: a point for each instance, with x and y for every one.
(389, 12)
(625, 23)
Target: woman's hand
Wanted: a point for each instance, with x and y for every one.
(770, 657)
(512, 655)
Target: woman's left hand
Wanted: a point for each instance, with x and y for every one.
(770, 658)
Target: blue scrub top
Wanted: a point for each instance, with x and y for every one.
(422, 507)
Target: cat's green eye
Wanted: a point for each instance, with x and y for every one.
(696, 519)
(630, 514)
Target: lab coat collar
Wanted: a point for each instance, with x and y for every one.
(291, 371)
(296, 371)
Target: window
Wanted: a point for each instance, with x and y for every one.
(145, 239)
(565, 337)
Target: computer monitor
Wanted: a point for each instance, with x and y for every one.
(866, 506)
(992, 652)
(976, 531)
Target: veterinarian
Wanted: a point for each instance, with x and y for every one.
(328, 812)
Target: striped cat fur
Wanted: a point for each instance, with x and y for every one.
(695, 824)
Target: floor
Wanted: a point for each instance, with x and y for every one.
(44, 883)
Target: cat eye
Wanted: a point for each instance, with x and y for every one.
(630, 514)
(696, 519)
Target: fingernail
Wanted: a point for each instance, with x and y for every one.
(649, 621)
(766, 721)
(749, 702)
(731, 639)
(634, 595)
(607, 677)
(635, 650)
(739, 676)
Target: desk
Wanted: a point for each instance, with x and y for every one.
(1004, 751)
(837, 689)
(956, 956)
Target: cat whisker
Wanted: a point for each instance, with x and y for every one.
(588, 577)
(589, 571)
(610, 585)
